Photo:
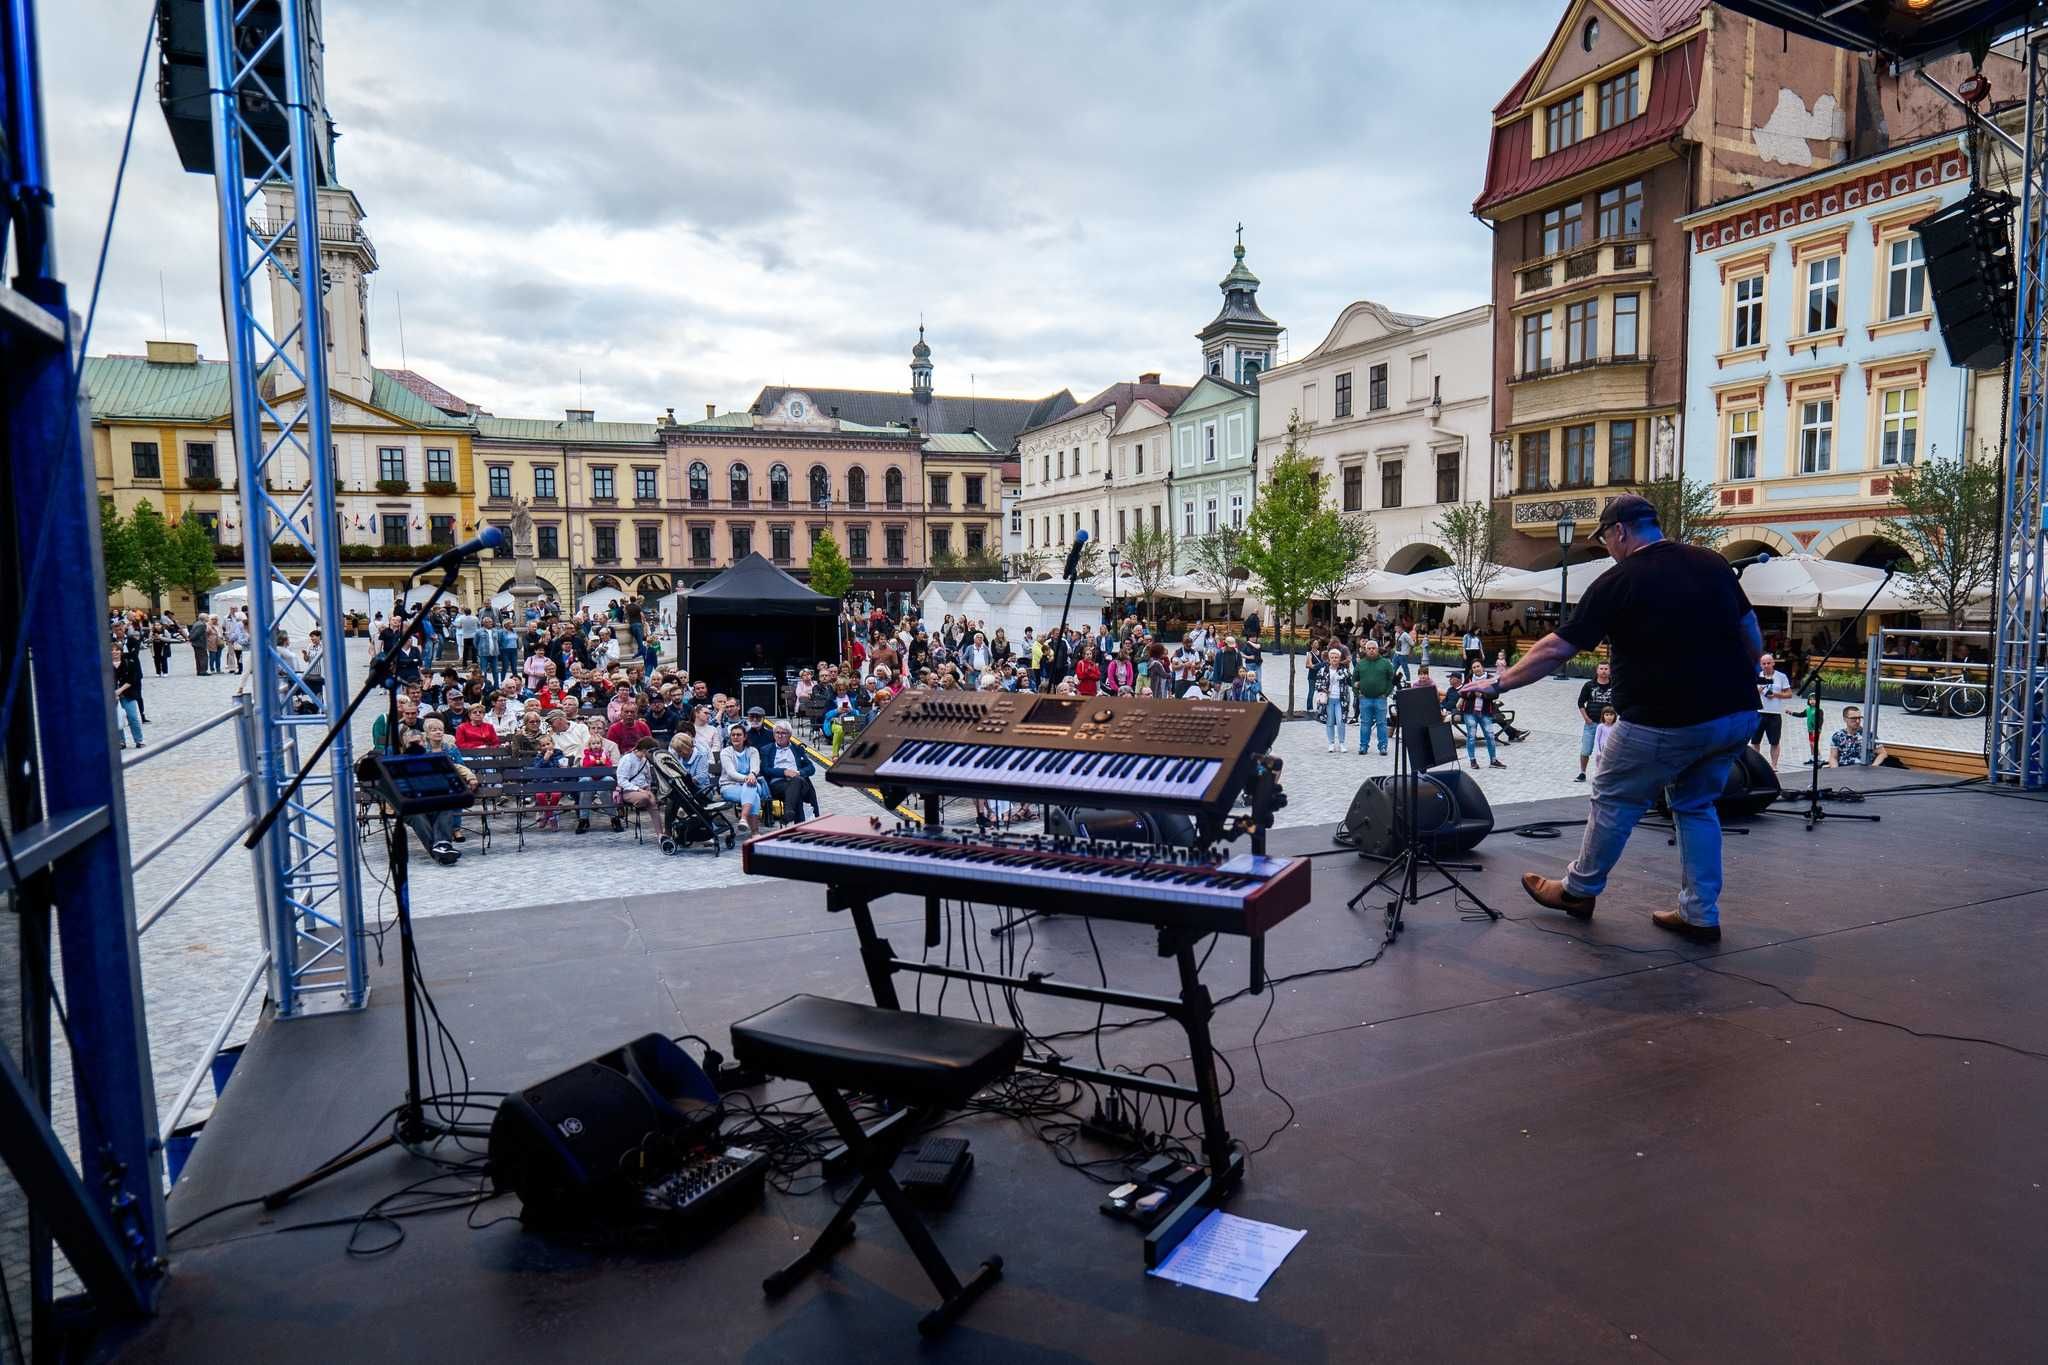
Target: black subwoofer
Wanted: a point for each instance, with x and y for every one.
(1451, 813)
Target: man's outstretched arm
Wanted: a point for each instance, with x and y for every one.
(1545, 657)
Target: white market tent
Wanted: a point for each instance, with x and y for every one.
(296, 617)
(1540, 585)
(600, 600)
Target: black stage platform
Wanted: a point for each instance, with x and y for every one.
(1509, 1145)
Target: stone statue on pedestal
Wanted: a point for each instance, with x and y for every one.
(526, 586)
(1664, 450)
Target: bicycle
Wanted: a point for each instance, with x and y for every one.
(1946, 694)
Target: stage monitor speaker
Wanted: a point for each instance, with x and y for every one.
(759, 689)
(1752, 786)
(1451, 814)
(559, 1145)
(1164, 829)
(1970, 272)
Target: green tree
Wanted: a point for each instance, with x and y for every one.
(117, 547)
(1948, 520)
(1026, 565)
(190, 563)
(830, 573)
(1289, 537)
(1685, 510)
(1354, 549)
(1216, 561)
(1472, 532)
(149, 540)
(1145, 559)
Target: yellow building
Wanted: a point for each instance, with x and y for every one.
(596, 493)
(963, 477)
(162, 429)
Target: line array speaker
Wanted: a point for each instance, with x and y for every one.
(1968, 247)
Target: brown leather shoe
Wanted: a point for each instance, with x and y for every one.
(1548, 891)
(1677, 923)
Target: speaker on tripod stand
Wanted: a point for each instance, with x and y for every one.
(1451, 813)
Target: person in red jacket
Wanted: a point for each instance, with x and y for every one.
(475, 732)
(1088, 673)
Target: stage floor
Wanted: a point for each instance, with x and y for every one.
(1509, 1144)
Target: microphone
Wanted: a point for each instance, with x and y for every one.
(1074, 555)
(490, 538)
(1760, 557)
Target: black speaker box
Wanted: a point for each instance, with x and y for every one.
(1451, 814)
(1970, 271)
(562, 1145)
(1752, 786)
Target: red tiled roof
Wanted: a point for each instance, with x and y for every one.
(433, 394)
(1511, 171)
(1656, 20)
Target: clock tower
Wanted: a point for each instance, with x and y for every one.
(921, 369)
(347, 260)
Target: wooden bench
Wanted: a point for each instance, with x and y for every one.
(599, 786)
(1929, 760)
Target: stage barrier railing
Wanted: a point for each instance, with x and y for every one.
(242, 716)
(1955, 689)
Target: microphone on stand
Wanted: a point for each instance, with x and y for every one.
(1760, 557)
(490, 538)
(1074, 556)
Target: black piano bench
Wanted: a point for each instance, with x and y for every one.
(917, 1060)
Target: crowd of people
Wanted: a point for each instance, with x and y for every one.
(588, 689)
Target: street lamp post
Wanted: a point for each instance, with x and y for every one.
(1566, 529)
(1114, 559)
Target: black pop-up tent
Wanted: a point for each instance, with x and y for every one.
(720, 624)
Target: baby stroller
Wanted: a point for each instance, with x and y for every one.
(687, 815)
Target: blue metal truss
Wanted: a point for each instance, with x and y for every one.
(65, 872)
(2019, 677)
(284, 453)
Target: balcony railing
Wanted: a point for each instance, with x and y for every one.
(1581, 262)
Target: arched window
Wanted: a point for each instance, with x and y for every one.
(778, 484)
(700, 483)
(821, 486)
(892, 487)
(738, 476)
(857, 487)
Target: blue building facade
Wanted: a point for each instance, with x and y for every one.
(1815, 371)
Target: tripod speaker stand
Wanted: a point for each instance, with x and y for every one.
(1424, 742)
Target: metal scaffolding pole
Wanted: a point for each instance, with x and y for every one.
(2019, 682)
(284, 454)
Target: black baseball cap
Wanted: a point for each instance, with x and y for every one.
(1630, 508)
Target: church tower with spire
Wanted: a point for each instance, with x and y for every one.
(1242, 342)
(921, 369)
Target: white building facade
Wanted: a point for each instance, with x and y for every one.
(1137, 471)
(1399, 411)
(1068, 484)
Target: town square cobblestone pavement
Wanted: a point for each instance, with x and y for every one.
(195, 959)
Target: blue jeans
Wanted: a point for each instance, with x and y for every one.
(1333, 720)
(1404, 665)
(1476, 724)
(1689, 764)
(1372, 715)
(131, 711)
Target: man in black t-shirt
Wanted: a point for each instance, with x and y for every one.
(1596, 696)
(1685, 642)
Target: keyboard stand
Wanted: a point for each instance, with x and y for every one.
(1192, 1009)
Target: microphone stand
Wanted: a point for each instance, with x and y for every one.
(1814, 814)
(413, 1126)
(1073, 574)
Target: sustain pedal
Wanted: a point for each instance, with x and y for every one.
(933, 1173)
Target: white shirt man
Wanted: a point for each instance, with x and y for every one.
(1774, 699)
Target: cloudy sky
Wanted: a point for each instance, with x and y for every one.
(685, 201)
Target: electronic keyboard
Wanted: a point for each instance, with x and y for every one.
(1156, 753)
(1173, 887)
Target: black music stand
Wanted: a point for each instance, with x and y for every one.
(1424, 743)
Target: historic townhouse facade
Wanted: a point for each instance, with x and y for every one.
(1068, 483)
(1817, 373)
(963, 475)
(1635, 113)
(1141, 465)
(1398, 411)
(598, 492)
(1215, 457)
(774, 481)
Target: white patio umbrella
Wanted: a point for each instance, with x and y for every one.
(1804, 583)
(599, 600)
(1540, 585)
